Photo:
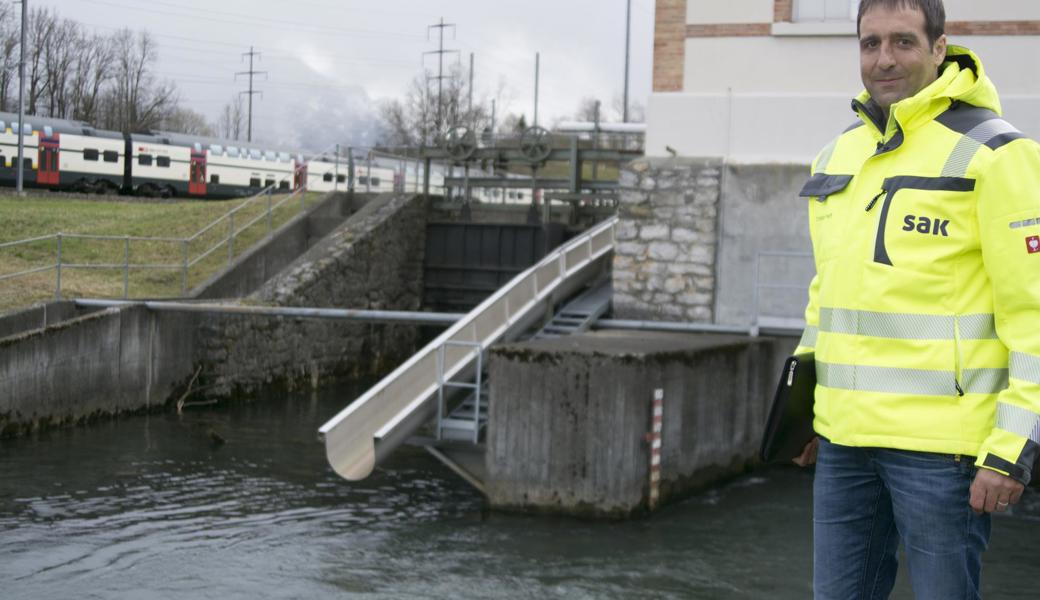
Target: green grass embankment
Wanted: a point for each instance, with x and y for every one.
(38, 216)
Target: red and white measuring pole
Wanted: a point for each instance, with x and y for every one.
(655, 448)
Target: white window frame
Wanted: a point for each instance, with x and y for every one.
(799, 9)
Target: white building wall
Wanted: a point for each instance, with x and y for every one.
(711, 12)
(781, 97)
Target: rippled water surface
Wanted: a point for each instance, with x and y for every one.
(150, 507)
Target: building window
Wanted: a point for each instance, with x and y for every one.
(162, 161)
(111, 156)
(90, 154)
(145, 160)
(825, 10)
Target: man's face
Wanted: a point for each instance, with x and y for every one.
(896, 60)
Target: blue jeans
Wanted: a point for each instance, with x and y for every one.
(867, 500)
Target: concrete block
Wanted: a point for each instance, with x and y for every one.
(569, 417)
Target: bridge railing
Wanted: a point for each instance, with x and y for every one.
(370, 428)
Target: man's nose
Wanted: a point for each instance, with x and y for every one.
(886, 58)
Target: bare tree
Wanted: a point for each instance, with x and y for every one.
(139, 101)
(41, 25)
(9, 39)
(413, 121)
(66, 43)
(91, 73)
(232, 119)
(589, 109)
(185, 120)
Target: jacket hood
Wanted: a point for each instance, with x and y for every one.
(961, 78)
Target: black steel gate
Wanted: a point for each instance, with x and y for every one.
(466, 262)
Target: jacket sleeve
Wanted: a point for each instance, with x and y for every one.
(812, 309)
(1009, 224)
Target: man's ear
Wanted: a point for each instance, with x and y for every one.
(939, 51)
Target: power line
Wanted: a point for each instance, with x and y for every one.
(251, 73)
(440, 52)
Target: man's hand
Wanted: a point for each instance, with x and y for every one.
(808, 455)
(993, 492)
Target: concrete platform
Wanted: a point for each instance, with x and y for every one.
(569, 418)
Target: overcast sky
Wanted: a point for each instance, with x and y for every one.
(336, 59)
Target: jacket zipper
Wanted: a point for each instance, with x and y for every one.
(957, 372)
(874, 200)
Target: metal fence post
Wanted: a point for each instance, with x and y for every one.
(57, 290)
(184, 269)
(231, 238)
(126, 267)
(269, 195)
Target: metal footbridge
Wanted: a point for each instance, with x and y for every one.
(370, 428)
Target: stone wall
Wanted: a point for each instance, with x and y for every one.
(374, 261)
(664, 263)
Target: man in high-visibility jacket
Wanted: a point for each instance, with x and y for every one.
(924, 315)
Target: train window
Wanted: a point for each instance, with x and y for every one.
(111, 156)
(3, 126)
(341, 178)
(90, 154)
(362, 180)
(268, 182)
(283, 185)
(145, 160)
(255, 154)
(28, 128)
(48, 131)
(198, 146)
(27, 164)
(254, 182)
(162, 161)
(232, 151)
(327, 177)
(270, 155)
(375, 181)
(284, 157)
(214, 178)
(216, 149)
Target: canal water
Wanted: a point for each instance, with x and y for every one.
(155, 507)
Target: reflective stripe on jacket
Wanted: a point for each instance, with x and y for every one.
(925, 311)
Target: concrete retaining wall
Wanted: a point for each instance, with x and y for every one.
(252, 269)
(129, 359)
(568, 418)
(108, 362)
(374, 261)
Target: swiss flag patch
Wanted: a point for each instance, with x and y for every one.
(1033, 244)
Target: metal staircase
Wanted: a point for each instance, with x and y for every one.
(579, 314)
(371, 427)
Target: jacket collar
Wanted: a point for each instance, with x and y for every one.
(961, 78)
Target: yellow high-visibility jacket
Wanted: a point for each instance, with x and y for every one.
(925, 311)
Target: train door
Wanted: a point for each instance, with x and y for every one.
(48, 172)
(197, 175)
(300, 178)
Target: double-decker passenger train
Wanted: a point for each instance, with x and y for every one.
(74, 156)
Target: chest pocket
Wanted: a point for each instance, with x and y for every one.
(925, 221)
(822, 185)
(827, 217)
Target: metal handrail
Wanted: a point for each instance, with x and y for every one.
(373, 425)
(756, 317)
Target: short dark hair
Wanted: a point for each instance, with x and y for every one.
(934, 14)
